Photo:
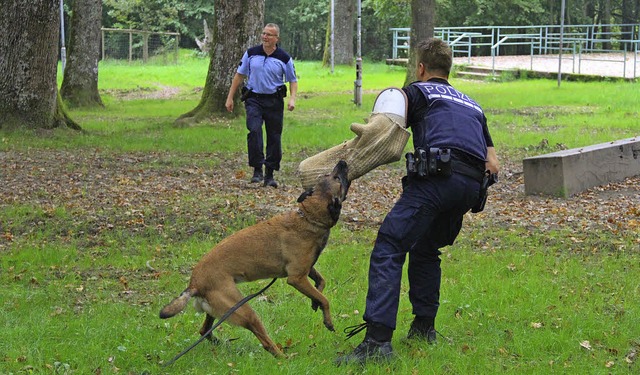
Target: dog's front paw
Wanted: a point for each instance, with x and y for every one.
(329, 326)
(315, 305)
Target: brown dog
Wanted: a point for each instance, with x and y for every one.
(287, 245)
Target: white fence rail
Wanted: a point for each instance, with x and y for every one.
(579, 42)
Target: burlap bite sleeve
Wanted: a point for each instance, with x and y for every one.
(380, 141)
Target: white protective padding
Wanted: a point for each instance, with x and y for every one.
(380, 141)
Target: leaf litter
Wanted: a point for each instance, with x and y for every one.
(180, 196)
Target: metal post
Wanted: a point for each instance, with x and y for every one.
(358, 82)
(63, 50)
(560, 47)
(332, 33)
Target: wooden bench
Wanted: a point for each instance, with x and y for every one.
(565, 173)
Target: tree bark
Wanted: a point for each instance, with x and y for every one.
(344, 18)
(606, 21)
(28, 66)
(423, 14)
(80, 83)
(237, 26)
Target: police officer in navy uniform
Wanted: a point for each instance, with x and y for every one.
(267, 67)
(429, 213)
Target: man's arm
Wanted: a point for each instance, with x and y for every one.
(238, 79)
(293, 88)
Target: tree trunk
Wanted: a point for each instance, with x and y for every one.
(80, 84)
(423, 14)
(238, 24)
(606, 20)
(28, 66)
(343, 23)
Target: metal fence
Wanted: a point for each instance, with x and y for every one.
(579, 42)
(139, 45)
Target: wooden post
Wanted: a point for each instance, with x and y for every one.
(145, 46)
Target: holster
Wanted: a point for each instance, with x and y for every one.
(282, 91)
(488, 180)
(244, 93)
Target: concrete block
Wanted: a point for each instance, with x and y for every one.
(565, 173)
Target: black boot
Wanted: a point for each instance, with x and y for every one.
(257, 175)
(268, 178)
(376, 346)
(423, 328)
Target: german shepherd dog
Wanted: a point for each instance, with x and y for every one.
(287, 245)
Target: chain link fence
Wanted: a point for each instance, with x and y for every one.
(138, 45)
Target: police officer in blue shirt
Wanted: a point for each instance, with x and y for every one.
(454, 154)
(267, 67)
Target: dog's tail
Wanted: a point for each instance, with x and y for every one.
(177, 305)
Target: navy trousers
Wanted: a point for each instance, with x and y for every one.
(270, 111)
(427, 217)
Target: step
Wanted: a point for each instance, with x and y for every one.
(474, 75)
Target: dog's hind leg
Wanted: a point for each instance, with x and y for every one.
(302, 284)
(244, 316)
(206, 326)
(319, 284)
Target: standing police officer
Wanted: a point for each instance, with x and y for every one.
(453, 151)
(267, 67)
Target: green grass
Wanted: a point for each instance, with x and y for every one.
(81, 293)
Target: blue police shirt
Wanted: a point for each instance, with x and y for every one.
(266, 72)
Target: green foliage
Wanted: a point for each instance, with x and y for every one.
(514, 12)
(160, 15)
(302, 26)
(304, 23)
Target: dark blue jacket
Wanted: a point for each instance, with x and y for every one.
(441, 116)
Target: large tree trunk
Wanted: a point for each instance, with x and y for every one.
(237, 26)
(29, 97)
(423, 14)
(80, 84)
(344, 18)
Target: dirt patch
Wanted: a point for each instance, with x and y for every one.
(180, 196)
(160, 92)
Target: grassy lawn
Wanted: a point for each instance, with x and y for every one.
(99, 229)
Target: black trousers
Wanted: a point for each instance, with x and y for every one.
(270, 111)
(427, 217)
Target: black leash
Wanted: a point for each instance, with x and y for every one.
(222, 319)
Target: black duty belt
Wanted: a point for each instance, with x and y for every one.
(256, 95)
(460, 167)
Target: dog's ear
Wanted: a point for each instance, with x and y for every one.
(305, 194)
(334, 209)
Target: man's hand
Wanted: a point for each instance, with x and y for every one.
(492, 164)
(229, 104)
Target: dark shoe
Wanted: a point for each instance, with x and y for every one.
(257, 175)
(422, 330)
(268, 179)
(368, 350)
